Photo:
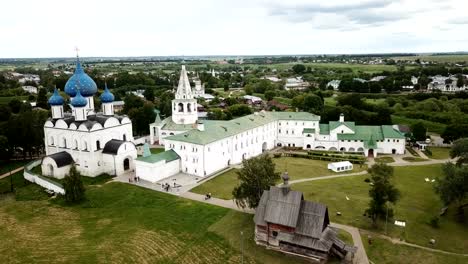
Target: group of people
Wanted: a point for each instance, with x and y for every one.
(135, 179)
(207, 196)
(166, 186)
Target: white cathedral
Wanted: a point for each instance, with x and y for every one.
(95, 142)
(202, 148)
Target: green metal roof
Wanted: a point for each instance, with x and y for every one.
(390, 132)
(335, 124)
(168, 156)
(216, 129)
(168, 124)
(363, 133)
(308, 130)
(370, 144)
(324, 129)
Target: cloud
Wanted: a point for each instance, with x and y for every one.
(458, 21)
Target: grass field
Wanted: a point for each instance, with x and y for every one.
(414, 159)
(384, 159)
(418, 204)
(11, 165)
(431, 126)
(440, 153)
(437, 58)
(221, 186)
(120, 223)
(384, 251)
(6, 100)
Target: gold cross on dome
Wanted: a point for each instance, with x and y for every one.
(77, 50)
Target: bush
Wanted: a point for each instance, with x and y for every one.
(276, 155)
(367, 180)
(434, 222)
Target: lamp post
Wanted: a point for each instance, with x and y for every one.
(242, 247)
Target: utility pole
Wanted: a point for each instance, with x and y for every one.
(11, 181)
(386, 219)
(242, 247)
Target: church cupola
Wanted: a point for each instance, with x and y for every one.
(107, 100)
(81, 81)
(79, 106)
(184, 106)
(56, 104)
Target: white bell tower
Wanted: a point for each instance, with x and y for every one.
(184, 106)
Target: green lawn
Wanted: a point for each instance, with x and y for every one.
(156, 150)
(418, 204)
(439, 153)
(414, 159)
(298, 168)
(11, 165)
(431, 126)
(121, 223)
(383, 251)
(6, 100)
(384, 159)
(331, 101)
(437, 58)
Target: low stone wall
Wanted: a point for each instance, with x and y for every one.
(41, 180)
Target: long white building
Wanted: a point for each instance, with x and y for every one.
(203, 147)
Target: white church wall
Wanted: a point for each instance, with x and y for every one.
(157, 171)
(49, 168)
(387, 145)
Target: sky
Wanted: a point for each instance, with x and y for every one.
(108, 28)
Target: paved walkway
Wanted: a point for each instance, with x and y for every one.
(361, 256)
(327, 177)
(12, 172)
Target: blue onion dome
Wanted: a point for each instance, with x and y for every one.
(107, 96)
(80, 80)
(56, 98)
(79, 100)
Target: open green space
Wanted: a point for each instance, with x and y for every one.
(413, 159)
(437, 58)
(439, 153)
(431, 126)
(222, 185)
(384, 159)
(418, 204)
(384, 251)
(11, 165)
(121, 223)
(7, 99)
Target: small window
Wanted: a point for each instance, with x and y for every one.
(274, 233)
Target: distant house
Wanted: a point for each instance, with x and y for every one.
(250, 99)
(377, 78)
(445, 84)
(335, 84)
(359, 80)
(30, 89)
(272, 78)
(295, 84)
(275, 104)
(340, 166)
(285, 222)
(118, 105)
(414, 80)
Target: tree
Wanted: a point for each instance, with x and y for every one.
(149, 94)
(381, 192)
(15, 105)
(270, 94)
(312, 103)
(256, 176)
(453, 188)
(419, 131)
(299, 68)
(5, 152)
(42, 99)
(460, 150)
(454, 131)
(238, 110)
(74, 188)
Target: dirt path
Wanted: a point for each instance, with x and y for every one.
(12, 172)
(399, 242)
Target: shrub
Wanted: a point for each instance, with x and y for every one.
(434, 222)
(367, 180)
(276, 155)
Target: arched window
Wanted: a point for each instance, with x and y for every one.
(189, 108)
(76, 144)
(64, 142)
(98, 145)
(51, 141)
(124, 137)
(85, 145)
(181, 107)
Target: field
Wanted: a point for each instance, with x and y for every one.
(431, 126)
(439, 153)
(221, 186)
(384, 251)
(354, 67)
(6, 100)
(120, 223)
(384, 159)
(418, 204)
(437, 58)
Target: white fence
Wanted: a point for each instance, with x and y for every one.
(41, 180)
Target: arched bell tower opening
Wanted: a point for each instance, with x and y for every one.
(184, 110)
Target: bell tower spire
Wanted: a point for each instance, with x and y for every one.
(184, 106)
